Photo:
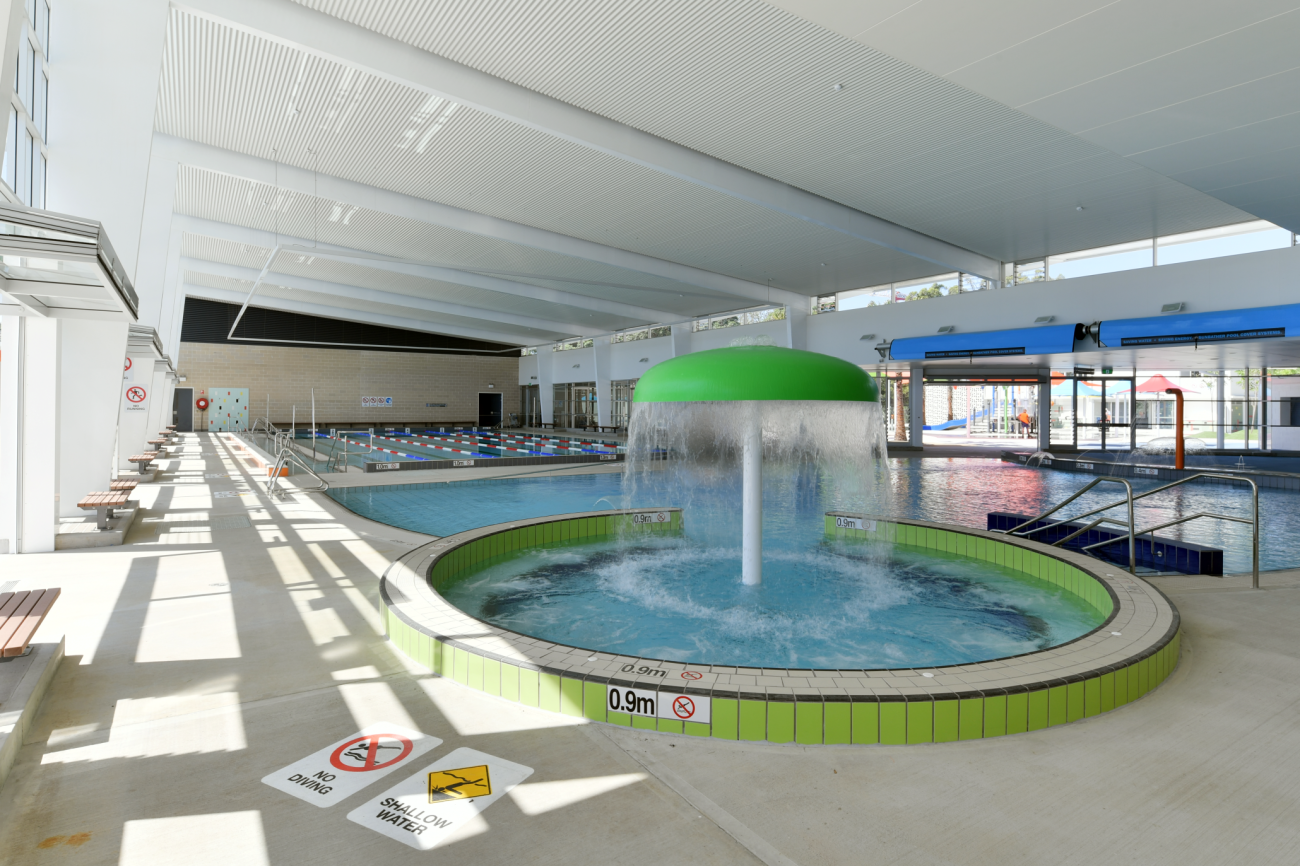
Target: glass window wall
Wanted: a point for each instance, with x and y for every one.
(25, 160)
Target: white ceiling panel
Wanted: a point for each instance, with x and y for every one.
(237, 201)
(352, 274)
(270, 291)
(236, 91)
(750, 83)
(1201, 92)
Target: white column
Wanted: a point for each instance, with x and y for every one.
(602, 349)
(751, 546)
(133, 417)
(91, 355)
(681, 337)
(1045, 415)
(796, 326)
(160, 406)
(1220, 413)
(546, 383)
(11, 368)
(29, 426)
(916, 405)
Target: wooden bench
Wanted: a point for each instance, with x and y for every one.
(156, 442)
(21, 613)
(142, 461)
(123, 484)
(103, 504)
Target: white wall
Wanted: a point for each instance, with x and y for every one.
(1252, 280)
(104, 63)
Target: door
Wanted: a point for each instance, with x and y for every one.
(584, 405)
(183, 410)
(490, 408)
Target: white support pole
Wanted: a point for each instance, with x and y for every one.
(751, 556)
(1045, 414)
(1219, 414)
(916, 406)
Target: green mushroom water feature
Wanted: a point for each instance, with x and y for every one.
(711, 410)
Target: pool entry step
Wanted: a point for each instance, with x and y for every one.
(1159, 554)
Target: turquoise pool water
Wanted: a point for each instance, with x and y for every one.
(822, 604)
(960, 491)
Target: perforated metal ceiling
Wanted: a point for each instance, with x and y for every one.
(750, 83)
(237, 91)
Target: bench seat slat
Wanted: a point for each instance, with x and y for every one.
(15, 619)
(27, 628)
(10, 604)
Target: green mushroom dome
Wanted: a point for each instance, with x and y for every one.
(755, 373)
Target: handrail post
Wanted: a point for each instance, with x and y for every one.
(1132, 541)
(1254, 496)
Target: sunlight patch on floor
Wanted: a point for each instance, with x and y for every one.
(215, 839)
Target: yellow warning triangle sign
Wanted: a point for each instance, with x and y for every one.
(462, 784)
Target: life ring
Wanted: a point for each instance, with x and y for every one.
(201, 403)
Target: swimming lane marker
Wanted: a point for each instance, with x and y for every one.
(430, 807)
(342, 769)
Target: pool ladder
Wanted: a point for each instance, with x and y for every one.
(1133, 532)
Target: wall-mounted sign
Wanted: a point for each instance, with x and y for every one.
(435, 405)
(376, 402)
(135, 398)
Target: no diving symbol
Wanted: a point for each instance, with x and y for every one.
(683, 707)
(135, 395)
(661, 517)
(691, 675)
(371, 752)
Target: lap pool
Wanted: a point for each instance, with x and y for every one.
(960, 491)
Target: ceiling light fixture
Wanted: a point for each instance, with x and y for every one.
(1172, 308)
(946, 329)
(1079, 207)
(837, 87)
(645, 360)
(1043, 320)
(867, 337)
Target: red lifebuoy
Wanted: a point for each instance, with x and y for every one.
(201, 403)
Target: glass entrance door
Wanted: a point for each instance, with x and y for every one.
(584, 405)
(1103, 412)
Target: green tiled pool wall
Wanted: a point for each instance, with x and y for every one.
(1022, 559)
(470, 554)
(830, 720)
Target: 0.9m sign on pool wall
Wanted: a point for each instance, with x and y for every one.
(662, 705)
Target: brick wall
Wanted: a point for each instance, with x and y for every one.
(342, 376)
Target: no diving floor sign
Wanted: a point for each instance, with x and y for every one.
(341, 769)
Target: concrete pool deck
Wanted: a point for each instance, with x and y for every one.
(235, 634)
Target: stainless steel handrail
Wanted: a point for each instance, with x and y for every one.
(1133, 533)
(1132, 540)
(286, 456)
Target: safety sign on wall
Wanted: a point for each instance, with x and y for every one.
(429, 808)
(342, 769)
(228, 409)
(376, 402)
(135, 397)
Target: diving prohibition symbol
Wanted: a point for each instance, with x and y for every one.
(370, 752)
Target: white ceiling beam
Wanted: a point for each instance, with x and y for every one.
(297, 26)
(312, 309)
(348, 290)
(348, 192)
(268, 240)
